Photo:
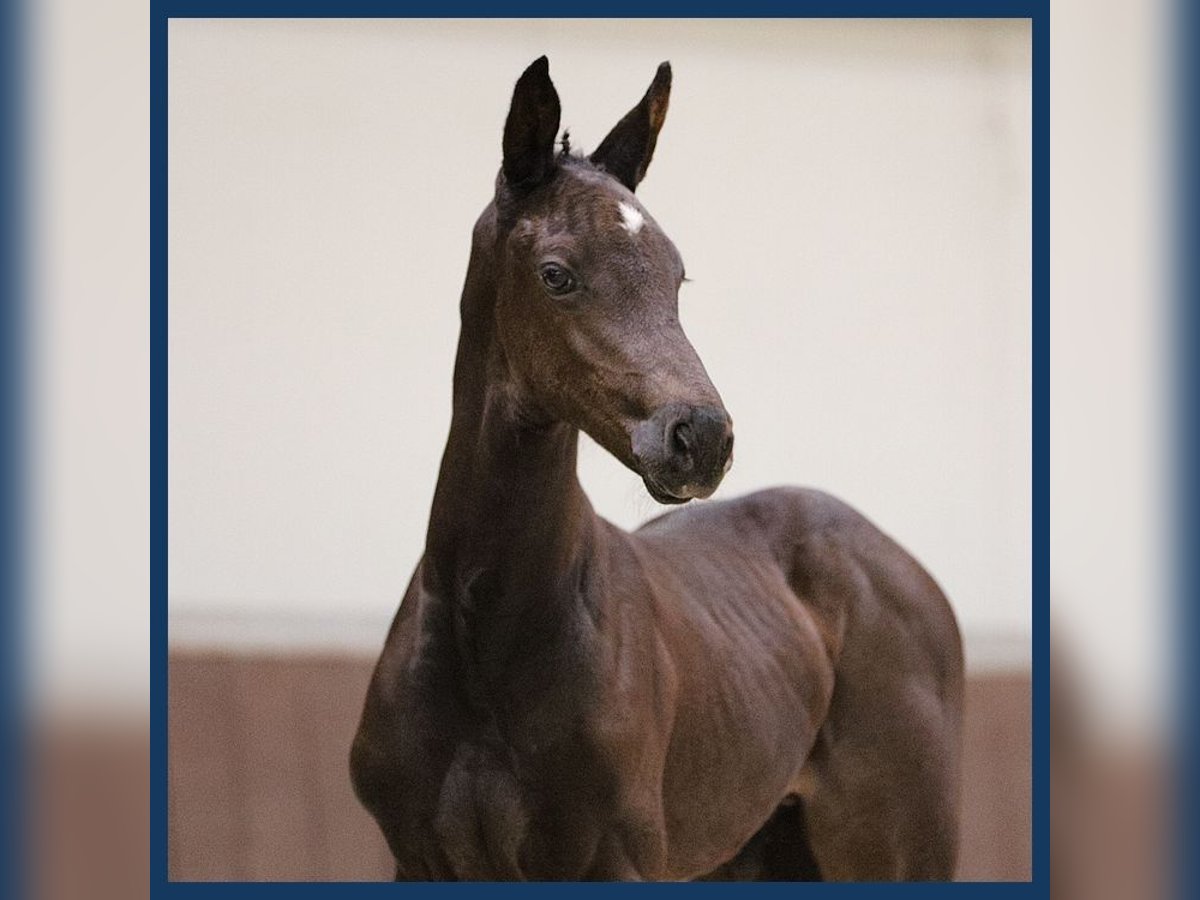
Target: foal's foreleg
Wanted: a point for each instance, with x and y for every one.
(884, 801)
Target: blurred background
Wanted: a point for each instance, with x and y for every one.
(852, 200)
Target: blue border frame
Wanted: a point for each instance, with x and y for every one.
(1185, 217)
(162, 10)
(12, 447)
(11, 456)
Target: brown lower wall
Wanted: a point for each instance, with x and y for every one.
(260, 789)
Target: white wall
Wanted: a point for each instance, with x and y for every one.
(1112, 535)
(88, 450)
(852, 199)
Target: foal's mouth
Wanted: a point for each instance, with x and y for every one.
(662, 495)
(686, 493)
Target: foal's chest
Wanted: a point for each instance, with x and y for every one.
(482, 817)
(498, 816)
(485, 782)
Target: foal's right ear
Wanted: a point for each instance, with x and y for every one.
(531, 128)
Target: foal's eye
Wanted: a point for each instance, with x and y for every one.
(557, 279)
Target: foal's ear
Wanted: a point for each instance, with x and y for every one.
(626, 152)
(531, 128)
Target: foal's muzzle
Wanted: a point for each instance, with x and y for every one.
(683, 451)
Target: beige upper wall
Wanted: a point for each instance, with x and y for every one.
(852, 200)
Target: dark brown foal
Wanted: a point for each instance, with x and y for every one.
(764, 688)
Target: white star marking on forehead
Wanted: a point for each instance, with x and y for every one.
(632, 219)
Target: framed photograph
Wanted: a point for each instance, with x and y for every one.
(599, 449)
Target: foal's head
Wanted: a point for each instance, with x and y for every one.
(587, 296)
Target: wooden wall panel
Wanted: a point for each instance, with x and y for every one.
(259, 771)
(352, 848)
(207, 806)
(997, 830)
(279, 768)
(260, 786)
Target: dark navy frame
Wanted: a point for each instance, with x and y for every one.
(12, 492)
(1185, 473)
(162, 10)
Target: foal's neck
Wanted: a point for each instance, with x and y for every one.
(510, 528)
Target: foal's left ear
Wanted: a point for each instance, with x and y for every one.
(626, 152)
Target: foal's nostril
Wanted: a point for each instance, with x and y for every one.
(682, 440)
(727, 449)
